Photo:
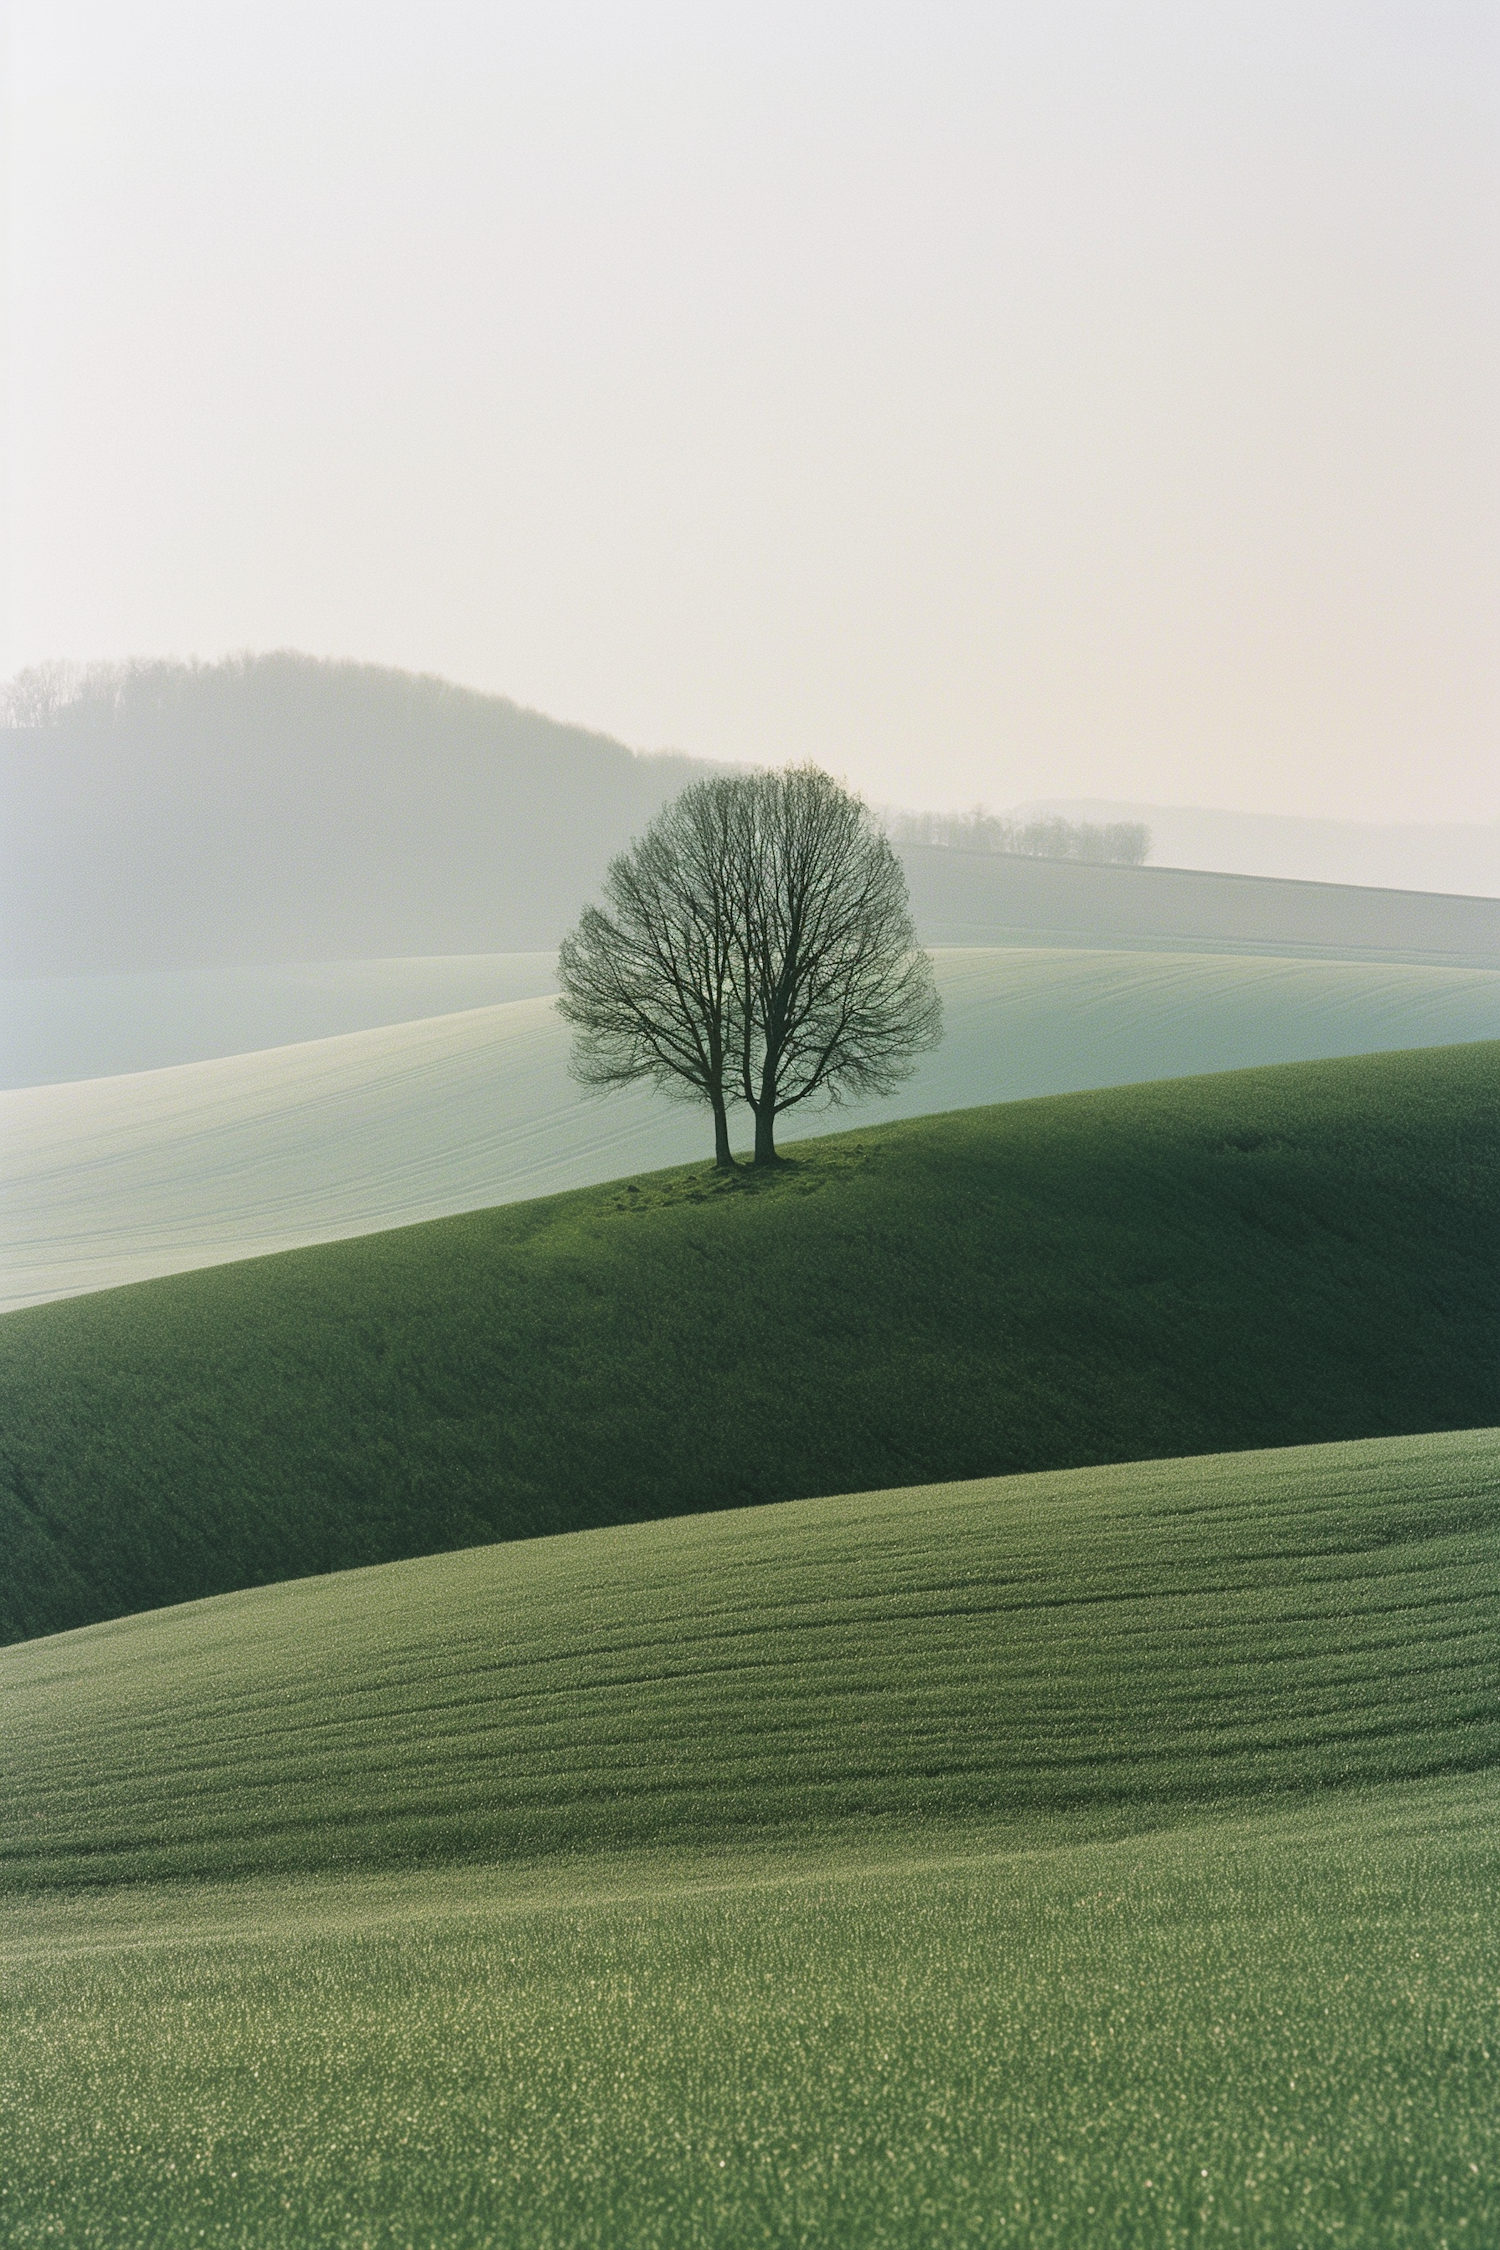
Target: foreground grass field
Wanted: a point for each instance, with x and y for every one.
(1278, 2032)
(1101, 1858)
(1259, 1258)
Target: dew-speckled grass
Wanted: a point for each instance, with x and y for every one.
(1281, 2032)
(1109, 1857)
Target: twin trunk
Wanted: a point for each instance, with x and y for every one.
(765, 1138)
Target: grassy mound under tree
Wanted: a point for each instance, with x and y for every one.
(134, 1177)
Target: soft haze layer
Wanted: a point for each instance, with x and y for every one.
(988, 401)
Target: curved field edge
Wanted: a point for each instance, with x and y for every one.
(1154, 1635)
(1269, 1257)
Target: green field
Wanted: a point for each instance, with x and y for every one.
(1259, 1258)
(1158, 1633)
(1106, 1857)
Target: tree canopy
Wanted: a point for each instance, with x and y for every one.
(755, 946)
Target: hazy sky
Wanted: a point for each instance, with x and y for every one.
(1000, 401)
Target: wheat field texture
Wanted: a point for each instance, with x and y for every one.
(119, 1178)
(1257, 1258)
(1106, 1857)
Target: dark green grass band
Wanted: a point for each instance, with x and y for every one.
(1262, 1258)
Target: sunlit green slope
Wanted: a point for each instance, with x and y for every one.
(1158, 1634)
(1261, 1258)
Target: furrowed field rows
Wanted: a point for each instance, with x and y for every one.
(1174, 1632)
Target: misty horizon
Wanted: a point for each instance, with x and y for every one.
(988, 406)
(1463, 857)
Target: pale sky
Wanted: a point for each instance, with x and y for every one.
(989, 401)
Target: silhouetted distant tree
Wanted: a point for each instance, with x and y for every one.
(1123, 843)
(833, 997)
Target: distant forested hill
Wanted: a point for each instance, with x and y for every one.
(281, 808)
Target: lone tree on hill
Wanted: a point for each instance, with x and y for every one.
(758, 947)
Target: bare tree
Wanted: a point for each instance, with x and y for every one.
(40, 695)
(833, 997)
(649, 985)
(758, 947)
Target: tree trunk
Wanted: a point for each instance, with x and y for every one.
(765, 1136)
(723, 1160)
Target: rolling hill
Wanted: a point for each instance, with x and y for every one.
(1002, 898)
(1458, 856)
(282, 808)
(1084, 1859)
(54, 1030)
(124, 1178)
(1258, 1258)
(1165, 1633)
